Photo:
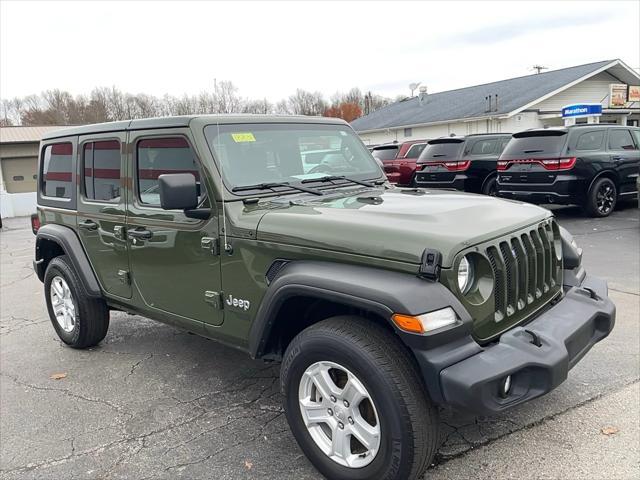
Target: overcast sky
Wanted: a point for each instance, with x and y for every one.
(268, 49)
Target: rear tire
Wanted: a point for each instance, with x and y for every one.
(358, 352)
(602, 198)
(79, 320)
(490, 187)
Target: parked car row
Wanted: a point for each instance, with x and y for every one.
(592, 165)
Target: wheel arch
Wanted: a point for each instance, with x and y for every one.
(610, 174)
(306, 292)
(55, 240)
(489, 176)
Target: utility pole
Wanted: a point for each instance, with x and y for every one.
(539, 68)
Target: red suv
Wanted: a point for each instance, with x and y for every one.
(399, 160)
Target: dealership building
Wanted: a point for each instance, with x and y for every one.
(18, 168)
(601, 92)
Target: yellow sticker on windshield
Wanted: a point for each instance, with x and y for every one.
(243, 137)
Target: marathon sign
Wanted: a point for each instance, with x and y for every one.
(582, 110)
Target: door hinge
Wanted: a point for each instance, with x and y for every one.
(211, 244)
(123, 276)
(214, 299)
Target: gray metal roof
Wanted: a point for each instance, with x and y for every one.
(470, 102)
(25, 134)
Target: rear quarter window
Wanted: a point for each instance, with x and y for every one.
(415, 150)
(484, 147)
(590, 140)
(57, 170)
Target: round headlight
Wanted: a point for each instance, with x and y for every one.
(465, 275)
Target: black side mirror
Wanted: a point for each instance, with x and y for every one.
(178, 191)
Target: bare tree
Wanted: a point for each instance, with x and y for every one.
(105, 104)
(306, 103)
(258, 106)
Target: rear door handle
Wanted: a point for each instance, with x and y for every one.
(140, 234)
(617, 158)
(88, 225)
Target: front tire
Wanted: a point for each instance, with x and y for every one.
(356, 403)
(79, 320)
(602, 198)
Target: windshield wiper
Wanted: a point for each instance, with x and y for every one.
(272, 185)
(330, 178)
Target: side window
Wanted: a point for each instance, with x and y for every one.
(484, 147)
(620, 139)
(590, 140)
(415, 150)
(503, 143)
(101, 163)
(57, 170)
(163, 155)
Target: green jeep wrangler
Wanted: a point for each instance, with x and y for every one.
(381, 303)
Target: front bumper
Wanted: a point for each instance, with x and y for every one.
(566, 331)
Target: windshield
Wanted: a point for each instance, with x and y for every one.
(385, 153)
(251, 154)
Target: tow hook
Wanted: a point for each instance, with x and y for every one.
(535, 340)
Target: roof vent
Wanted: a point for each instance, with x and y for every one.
(422, 97)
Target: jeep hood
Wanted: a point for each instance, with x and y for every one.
(397, 225)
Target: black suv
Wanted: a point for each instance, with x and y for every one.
(589, 165)
(462, 163)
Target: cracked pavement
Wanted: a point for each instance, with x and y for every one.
(153, 401)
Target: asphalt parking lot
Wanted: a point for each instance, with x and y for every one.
(152, 401)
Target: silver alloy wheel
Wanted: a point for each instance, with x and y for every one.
(605, 198)
(64, 307)
(339, 414)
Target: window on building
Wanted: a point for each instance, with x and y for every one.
(101, 162)
(590, 140)
(620, 139)
(57, 170)
(163, 155)
(484, 147)
(408, 132)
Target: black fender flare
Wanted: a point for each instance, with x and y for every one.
(67, 239)
(379, 291)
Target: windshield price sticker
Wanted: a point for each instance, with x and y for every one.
(243, 137)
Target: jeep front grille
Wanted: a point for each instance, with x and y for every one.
(526, 270)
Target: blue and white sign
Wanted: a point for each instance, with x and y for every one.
(582, 110)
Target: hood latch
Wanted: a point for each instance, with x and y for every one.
(431, 262)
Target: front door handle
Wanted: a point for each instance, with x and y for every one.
(88, 225)
(617, 158)
(140, 234)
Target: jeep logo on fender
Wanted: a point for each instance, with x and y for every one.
(238, 302)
